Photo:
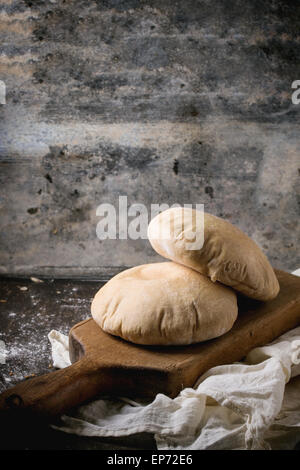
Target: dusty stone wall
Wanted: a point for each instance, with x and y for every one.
(162, 101)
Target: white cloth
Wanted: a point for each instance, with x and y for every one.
(254, 404)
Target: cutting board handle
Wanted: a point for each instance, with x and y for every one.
(53, 394)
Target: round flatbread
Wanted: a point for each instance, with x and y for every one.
(228, 255)
(164, 304)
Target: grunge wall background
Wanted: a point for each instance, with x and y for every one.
(162, 101)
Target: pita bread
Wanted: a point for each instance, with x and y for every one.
(164, 304)
(228, 255)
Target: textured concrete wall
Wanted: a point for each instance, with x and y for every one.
(163, 101)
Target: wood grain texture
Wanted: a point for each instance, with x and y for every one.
(104, 364)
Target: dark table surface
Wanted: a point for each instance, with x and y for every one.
(28, 312)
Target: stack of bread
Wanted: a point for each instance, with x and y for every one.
(191, 298)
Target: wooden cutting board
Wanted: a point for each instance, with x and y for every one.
(107, 365)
